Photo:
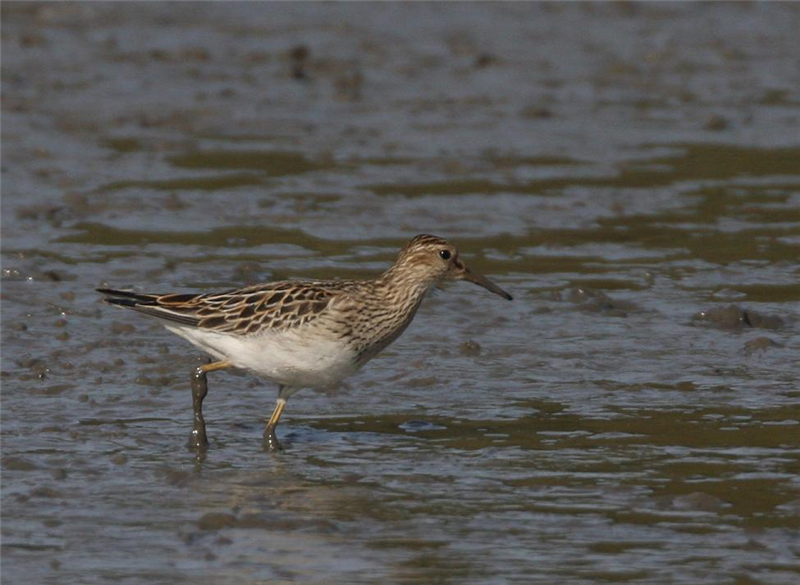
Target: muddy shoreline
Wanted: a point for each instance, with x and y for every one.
(629, 172)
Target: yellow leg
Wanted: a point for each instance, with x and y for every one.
(198, 440)
(276, 414)
(215, 366)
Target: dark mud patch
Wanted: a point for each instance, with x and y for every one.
(273, 164)
(735, 318)
(760, 344)
(594, 301)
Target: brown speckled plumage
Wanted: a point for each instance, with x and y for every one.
(346, 323)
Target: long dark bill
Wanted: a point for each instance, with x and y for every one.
(486, 283)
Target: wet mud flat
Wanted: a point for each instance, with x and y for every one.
(631, 173)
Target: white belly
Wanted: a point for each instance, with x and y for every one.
(287, 358)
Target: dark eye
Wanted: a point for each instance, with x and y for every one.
(444, 254)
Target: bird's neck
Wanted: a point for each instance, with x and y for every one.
(396, 297)
(402, 286)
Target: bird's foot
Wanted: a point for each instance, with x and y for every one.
(271, 442)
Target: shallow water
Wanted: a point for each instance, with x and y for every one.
(630, 173)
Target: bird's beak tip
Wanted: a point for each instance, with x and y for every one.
(485, 283)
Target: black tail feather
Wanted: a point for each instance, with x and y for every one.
(114, 294)
(121, 302)
(144, 303)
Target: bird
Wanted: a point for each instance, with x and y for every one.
(301, 333)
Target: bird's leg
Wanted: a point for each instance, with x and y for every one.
(198, 441)
(271, 442)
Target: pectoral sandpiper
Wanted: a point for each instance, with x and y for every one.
(305, 333)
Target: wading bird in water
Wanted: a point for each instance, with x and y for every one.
(302, 333)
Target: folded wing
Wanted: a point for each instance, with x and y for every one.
(274, 306)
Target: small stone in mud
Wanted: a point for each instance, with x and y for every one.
(485, 60)
(54, 389)
(299, 57)
(31, 39)
(119, 459)
(730, 317)
(760, 344)
(39, 369)
(216, 521)
(735, 318)
(28, 361)
(300, 53)
(716, 123)
(581, 295)
(537, 112)
(174, 203)
(469, 348)
(762, 321)
(593, 301)
(700, 501)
